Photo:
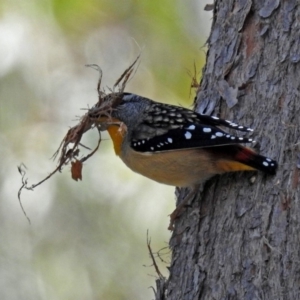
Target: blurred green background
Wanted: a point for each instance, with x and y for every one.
(87, 240)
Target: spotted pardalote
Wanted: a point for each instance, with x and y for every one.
(177, 146)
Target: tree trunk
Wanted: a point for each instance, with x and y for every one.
(239, 239)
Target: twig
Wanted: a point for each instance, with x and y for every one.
(152, 257)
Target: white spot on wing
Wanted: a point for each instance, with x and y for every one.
(188, 135)
(206, 129)
(265, 164)
(213, 137)
(170, 140)
(191, 127)
(219, 134)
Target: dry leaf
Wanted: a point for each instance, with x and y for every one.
(76, 169)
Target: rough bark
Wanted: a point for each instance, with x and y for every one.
(241, 240)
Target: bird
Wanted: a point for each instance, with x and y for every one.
(174, 145)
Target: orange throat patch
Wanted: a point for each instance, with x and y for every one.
(117, 133)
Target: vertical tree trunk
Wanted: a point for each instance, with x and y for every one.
(241, 240)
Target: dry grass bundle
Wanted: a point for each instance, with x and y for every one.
(69, 149)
